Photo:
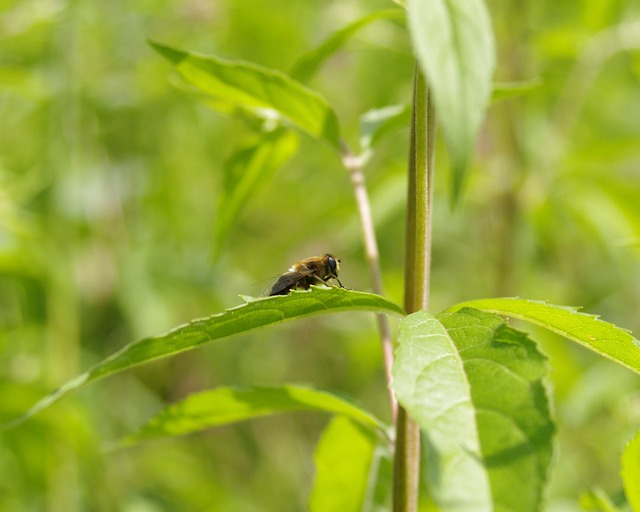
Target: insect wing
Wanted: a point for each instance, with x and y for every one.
(289, 280)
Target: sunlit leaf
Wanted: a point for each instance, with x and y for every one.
(474, 385)
(343, 460)
(453, 41)
(602, 337)
(222, 406)
(505, 371)
(309, 63)
(254, 314)
(430, 382)
(631, 472)
(266, 92)
(246, 172)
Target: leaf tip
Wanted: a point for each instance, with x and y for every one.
(171, 54)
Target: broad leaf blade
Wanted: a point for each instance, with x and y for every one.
(631, 472)
(222, 406)
(246, 172)
(474, 386)
(602, 337)
(254, 314)
(430, 382)
(308, 64)
(343, 460)
(454, 45)
(264, 91)
(505, 371)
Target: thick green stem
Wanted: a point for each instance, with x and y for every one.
(417, 273)
(420, 199)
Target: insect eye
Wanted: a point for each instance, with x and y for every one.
(333, 265)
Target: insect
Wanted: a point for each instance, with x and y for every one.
(315, 270)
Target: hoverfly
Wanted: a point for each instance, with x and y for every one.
(315, 270)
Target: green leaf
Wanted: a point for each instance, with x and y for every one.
(254, 314)
(222, 406)
(379, 491)
(343, 460)
(603, 338)
(376, 123)
(257, 121)
(505, 372)
(454, 45)
(474, 385)
(430, 382)
(266, 92)
(309, 63)
(246, 172)
(631, 472)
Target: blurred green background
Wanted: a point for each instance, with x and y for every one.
(109, 179)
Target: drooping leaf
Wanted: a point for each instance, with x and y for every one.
(309, 63)
(374, 124)
(602, 337)
(474, 386)
(222, 406)
(246, 172)
(266, 92)
(343, 461)
(505, 371)
(430, 383)
(631, 472)
(254, 314)
(453, 42)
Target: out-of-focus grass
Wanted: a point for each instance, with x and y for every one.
(108, 176)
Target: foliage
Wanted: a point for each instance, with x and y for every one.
(473, 385)
(126, 211)
(225, 405)
(486, 449)
(588, 330)
(254, 314)
(454, 46)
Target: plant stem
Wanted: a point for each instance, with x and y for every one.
(417, 273)
(420, 199)
(354, 165)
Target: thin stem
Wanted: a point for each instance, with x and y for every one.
(417, 274)
(354, 165)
